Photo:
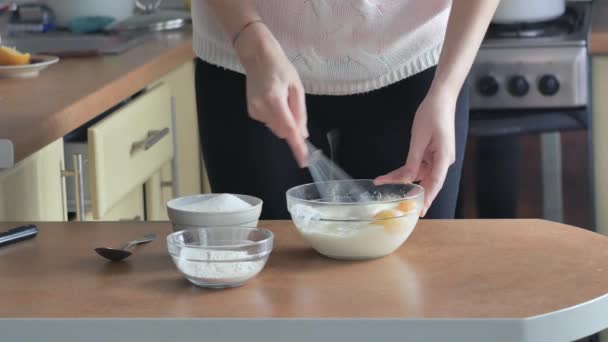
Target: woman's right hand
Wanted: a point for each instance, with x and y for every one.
(275, 95)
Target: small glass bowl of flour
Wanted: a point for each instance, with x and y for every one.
(214, 210)
(219, 257)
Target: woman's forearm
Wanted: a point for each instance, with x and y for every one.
(255, 42)
(275, 95)
(466, 28)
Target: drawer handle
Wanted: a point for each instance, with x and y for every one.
(78, 184)
(151, 140)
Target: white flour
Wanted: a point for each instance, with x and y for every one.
(218, 203)
(217, 270)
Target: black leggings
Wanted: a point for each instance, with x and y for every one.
(371, 137)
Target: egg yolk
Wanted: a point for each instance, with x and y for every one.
(389, 219)
(406, 206)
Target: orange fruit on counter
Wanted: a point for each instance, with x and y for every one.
(406, 206)
(389, 219)
(9, 56)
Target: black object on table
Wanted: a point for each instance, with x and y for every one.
(18, 234)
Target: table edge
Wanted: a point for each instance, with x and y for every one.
(566, 324)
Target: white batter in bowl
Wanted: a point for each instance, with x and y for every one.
(354, 219)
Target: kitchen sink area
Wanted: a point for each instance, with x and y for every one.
(86, 28)
(66, 44)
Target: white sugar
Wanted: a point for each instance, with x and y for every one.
(218, 203)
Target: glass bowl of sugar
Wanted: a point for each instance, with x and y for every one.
(219, 257)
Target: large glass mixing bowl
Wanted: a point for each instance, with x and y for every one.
(355, 219)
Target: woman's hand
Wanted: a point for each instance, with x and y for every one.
(275, 95)
(432, 146)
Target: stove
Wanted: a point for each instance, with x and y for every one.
(535, 65)
(533, 78)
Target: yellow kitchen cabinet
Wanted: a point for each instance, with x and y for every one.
(128, 147)
(185, 175)
(159, 190)
(173, 165)
(150, 142)
(167, 191)
(191, 176)
(130, 208)
(34, 189)
(600, 147)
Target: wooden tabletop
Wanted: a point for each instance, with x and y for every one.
(35, 112)
(447, 269)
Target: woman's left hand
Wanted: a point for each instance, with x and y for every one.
(432, 146)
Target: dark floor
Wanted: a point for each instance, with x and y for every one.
(575, 171)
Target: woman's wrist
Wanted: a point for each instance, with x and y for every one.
(443, 91)
(447, 81)
(443, 95)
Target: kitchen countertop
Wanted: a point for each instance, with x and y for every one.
(457, 280)
(599, 28)
(35, 112)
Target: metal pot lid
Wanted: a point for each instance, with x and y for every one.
(154, 21)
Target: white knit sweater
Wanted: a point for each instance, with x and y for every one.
(339, 47)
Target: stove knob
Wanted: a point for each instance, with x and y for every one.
(487, 86)
(548, 85)
(518, 86)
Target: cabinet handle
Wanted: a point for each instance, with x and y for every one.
(174, 182)
(76, 173)
(153, 137)
(174, 162)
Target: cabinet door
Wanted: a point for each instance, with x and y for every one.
(34, 189)
(158, 191)
(128, 146)
(130, 208)
(190, 168)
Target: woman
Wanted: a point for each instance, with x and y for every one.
(386, 78)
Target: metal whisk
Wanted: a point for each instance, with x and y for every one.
(324, 170)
